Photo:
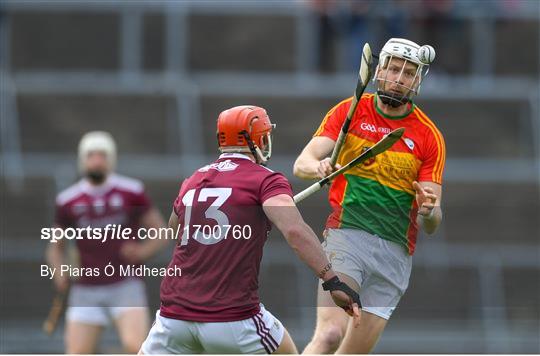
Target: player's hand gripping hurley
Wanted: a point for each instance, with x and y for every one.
(364, 76)
(385, 143)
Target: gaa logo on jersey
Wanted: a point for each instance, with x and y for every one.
(368, 127)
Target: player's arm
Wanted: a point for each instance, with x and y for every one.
(314, 161)
(55, 257)
(282, 211)
(428, 197)
(151, 219)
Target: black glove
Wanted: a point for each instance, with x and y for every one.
(335, 284)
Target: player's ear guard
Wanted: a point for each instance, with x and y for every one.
(335, 284)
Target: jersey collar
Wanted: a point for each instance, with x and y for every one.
(392, 117)
(234, 155)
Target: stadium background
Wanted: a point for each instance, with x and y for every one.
(156, 74)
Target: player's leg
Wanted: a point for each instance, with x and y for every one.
(128, 308)
(362, 340)
(387, 281)
(287, 345)
(84, 326)
(132, 324)
(331, 322)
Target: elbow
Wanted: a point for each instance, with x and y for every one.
(300, 169)
(294, 235)
(296, 168)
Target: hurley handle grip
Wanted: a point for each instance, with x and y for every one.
(315, 187)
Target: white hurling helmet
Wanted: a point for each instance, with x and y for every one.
(97, 141)
(420, 56)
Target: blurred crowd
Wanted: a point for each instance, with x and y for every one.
(345, 25)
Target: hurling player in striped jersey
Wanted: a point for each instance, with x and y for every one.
(379, 206)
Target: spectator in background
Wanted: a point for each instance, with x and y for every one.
(99, 199)
(359, 31)
(344, 26)
(441, 26)
(368, 25)
(327, 33)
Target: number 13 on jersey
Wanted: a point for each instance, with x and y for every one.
(211, 234)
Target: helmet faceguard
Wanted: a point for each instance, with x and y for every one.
(246, 129)
(401, 69)
(261, 151)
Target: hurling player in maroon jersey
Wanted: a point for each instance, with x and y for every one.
(224, 213)
(99, 200)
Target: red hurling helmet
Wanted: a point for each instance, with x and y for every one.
(245, 129)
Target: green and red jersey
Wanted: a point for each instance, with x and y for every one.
(377, 196)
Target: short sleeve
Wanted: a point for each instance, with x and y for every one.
(432, 167)
(274, 184)
(62, 217)
(332, 122)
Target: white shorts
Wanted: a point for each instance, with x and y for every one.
(380, 267)
(259, 334)
(96, 305)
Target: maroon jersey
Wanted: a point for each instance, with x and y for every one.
(223, 229)
(119, 201)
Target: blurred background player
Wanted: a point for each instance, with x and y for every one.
(100, 198)
(377, 207)
(214, 306)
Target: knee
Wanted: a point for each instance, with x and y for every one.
(329, 337)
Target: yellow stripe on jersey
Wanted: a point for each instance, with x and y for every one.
(395, 170)
(327, 116)
(441, 159)
(441, 152)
